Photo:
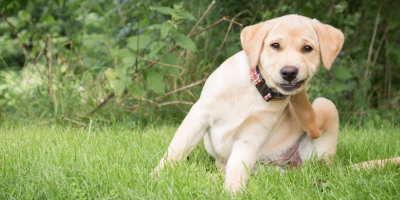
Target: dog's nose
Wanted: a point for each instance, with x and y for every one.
(289, 73)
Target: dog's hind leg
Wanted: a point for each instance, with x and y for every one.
(324, 147)
(188, 135)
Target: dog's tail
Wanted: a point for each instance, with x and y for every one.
(377, 163)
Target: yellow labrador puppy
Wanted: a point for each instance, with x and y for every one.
(254, 106)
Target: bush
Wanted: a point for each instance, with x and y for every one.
(86, 56)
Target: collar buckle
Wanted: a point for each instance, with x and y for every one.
(270, 96)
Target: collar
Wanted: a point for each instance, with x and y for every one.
(263, 89)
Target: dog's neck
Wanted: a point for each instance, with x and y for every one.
(262, 87)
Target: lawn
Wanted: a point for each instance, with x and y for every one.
(54, 161)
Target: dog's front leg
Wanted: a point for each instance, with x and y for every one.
(188, 135)
(312, 123)
(240, 165)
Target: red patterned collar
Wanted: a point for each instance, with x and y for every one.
(266, 92)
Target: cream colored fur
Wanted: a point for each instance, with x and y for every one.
(239, 126)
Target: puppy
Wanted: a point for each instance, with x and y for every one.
(254, 106)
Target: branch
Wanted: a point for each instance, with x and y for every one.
(174, 102)
(201, 19)
(161, 63)
(380, 44)
(180, 89)
(150, 65)
(23, 45)
(374, 33)
(141, 98)
(51, 67)
(234, 18)
(216, 23)
(41, 51)
(212, 25)
(222, 44)
(165, 104)
(138, 22)
(62, 45)
(175, 47)
(226, 35)
(111, 95)
(189, 35)
(169, 93)
(71, 120)
(354, 113)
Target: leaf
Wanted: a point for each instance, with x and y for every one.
(186, 15)
(155, 47)
(232, 50)
(96, 8)
(351, 85)
(307, 11)
(57, 2)
(123, 53)
(121, 85)
(120, 71)
(144, 40)
(183, 41)
(154, 26)
(172, 60)
(111, 77)
(48, 18)
(377, 119)
(126, 55)
(339, 86)
(118, 79)
(156, 82)
(360, 95)
(24, 15)
(165, 28)
(341, 72)
(129, 62)
(136, 90)
(163, 10)
(91, 28)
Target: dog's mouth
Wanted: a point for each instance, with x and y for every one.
(291, 86)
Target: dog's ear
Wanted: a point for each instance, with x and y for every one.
(252, 38)
(330, 42)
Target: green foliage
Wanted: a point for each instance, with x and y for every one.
(165, 28)
(156, 83)
(143, 42)
(95, 48)
(183, 41)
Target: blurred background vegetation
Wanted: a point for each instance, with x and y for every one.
(61, 59)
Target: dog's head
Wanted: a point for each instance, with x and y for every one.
(288, 50)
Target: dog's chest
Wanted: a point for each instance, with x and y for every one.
(241, 120)
(238, 112)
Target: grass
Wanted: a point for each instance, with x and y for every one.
(62, 161)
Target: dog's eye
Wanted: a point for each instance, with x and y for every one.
(307, 49)
(275, 46)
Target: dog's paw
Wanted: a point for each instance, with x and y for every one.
(233, 187)
(156, 171)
